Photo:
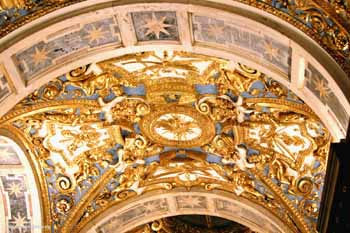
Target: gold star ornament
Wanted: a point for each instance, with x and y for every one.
(40, 55)
(20, 222)
(270, 50)
(15, 189)
(215, 30)
(322, 88)
(95, 34)
(156, 26)
(6, 154)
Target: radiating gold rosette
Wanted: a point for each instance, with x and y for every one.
(178, 126)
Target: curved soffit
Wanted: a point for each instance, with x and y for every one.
(120, 128)
(20, 207)
(122, 29)
(192, 223)
(136, 212)
(327, 22)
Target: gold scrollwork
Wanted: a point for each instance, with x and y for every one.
(65, 184)
(147, 144)
(304, 185)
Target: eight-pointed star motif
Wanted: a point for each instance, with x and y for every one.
(40, 55)
(149, 207)
(156, 26)
(215, 30)
(271, 51)
(191, 201)
(20, 222)
(15, 189)
(322, 88)
(95, 34)
(6, 154)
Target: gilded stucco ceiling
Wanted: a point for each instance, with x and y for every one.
(163, 120)
(168, 109)
(55, 39)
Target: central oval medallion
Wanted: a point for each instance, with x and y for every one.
(178, 126)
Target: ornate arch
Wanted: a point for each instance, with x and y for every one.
(20, 206)
(153, 206)
(111, 99)
(160, 120)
